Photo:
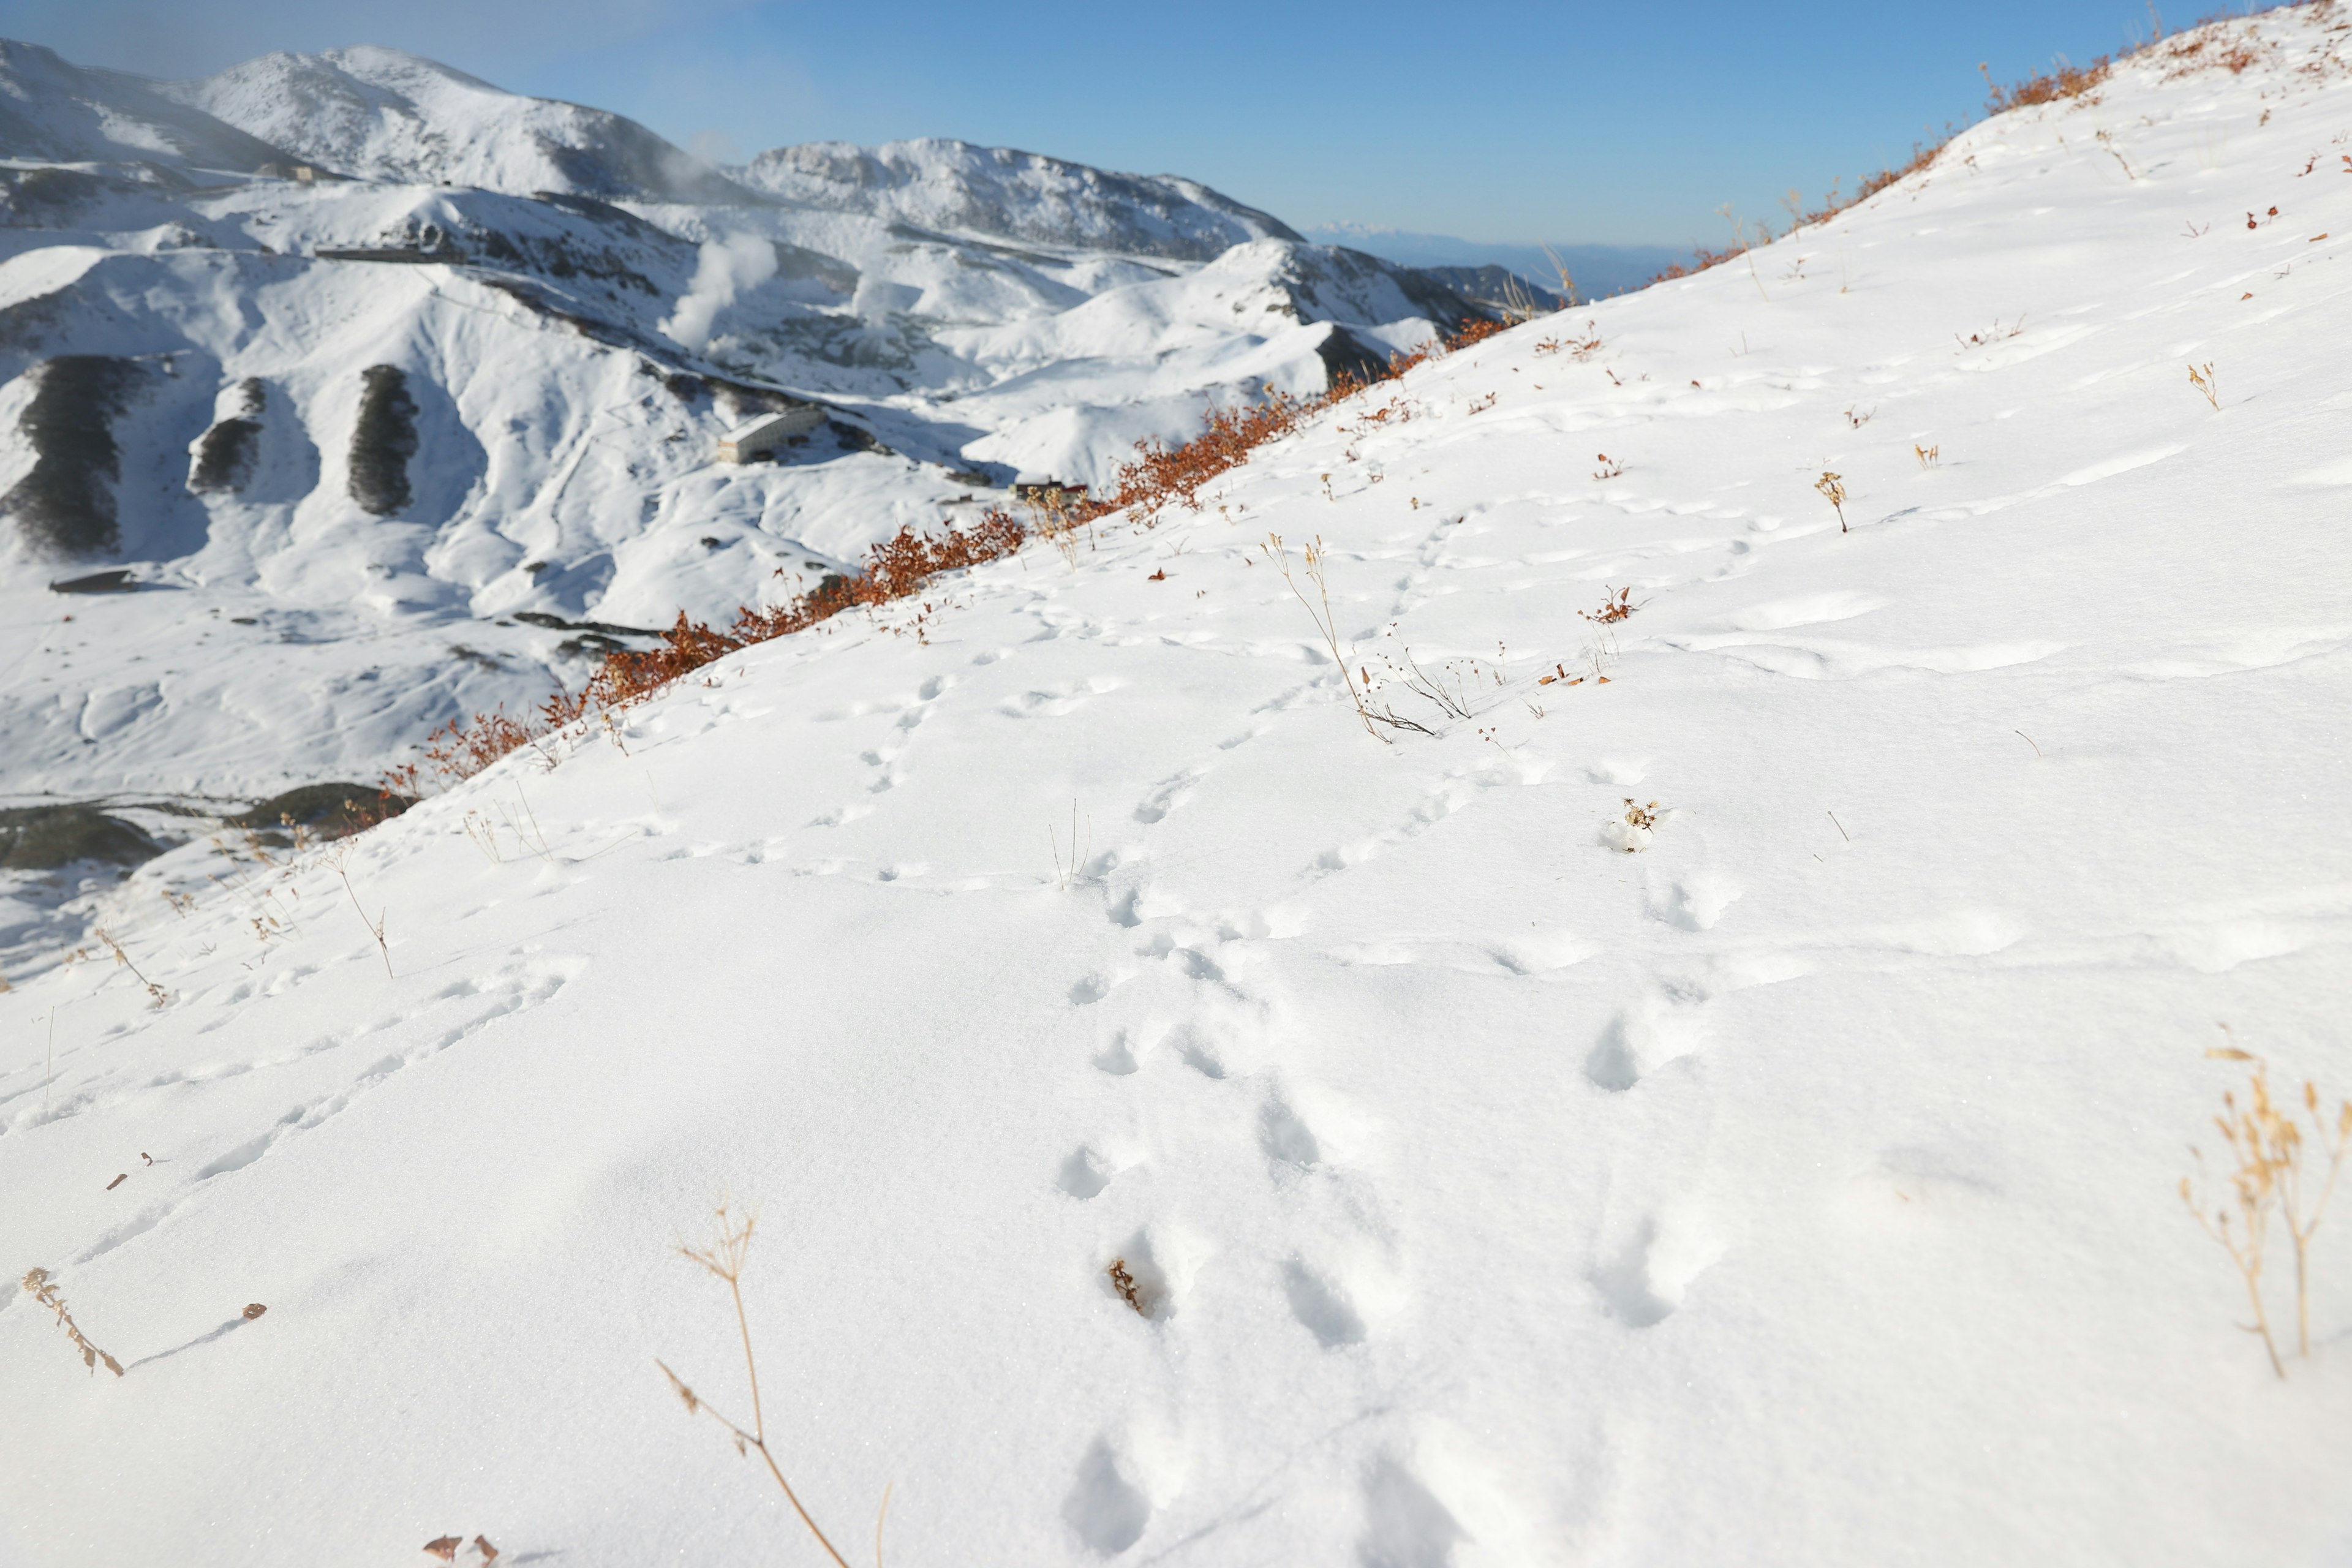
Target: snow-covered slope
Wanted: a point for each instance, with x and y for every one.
(574, 314)
(1799, 1188)
(942, 184)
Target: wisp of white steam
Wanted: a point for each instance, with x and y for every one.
(727, 265)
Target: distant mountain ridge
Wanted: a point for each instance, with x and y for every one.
(1597, 270)
(53, 111)
(949, 185)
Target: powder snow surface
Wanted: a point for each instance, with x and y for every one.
(1799, 1188)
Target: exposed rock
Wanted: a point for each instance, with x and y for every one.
(44, 837)
(328, 810)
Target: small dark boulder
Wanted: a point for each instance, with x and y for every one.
(44, 838)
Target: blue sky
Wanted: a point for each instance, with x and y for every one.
(1502, 122)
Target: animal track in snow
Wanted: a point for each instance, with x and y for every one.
(1321, 1308)
(1405, 1524)
(1646, 1034)
(1538, 952)
(1644, 1281)
(1696, 900)
(1430, 810)
(1108, 1511)
(1285, 1138)
(1166, 797)
(517, 990)
(1155, 1293)
(1825, 659)
(1117, 1058)
(1082, 1174)
(1057, 703)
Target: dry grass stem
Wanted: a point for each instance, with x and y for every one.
(723, 1258)
(1319, 609)
(2277, 1168)
(338, 858)
(45, 1291)
(156, 994)
(1833, 489)
(1066, 877)
(2202, 377)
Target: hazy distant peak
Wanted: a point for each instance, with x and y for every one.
(945, 184)
(383, 114)
(53, 110)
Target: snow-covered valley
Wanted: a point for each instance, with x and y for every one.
(1710, 1086)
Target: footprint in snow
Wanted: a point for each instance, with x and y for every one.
(1107, 1511)
(1644, 1282)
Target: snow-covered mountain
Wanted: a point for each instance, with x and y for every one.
(351, 359)
(1713, 1090)
(1017, 196)
(52, 111)
(380, 114)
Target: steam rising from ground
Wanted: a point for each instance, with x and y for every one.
(727, 266)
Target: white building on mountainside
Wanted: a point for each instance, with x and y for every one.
(757, 438)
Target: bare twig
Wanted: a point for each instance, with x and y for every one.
(338, 860)
(723, 1258)
(1324, 623)
(156, 994)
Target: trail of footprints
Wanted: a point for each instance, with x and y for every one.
(1183, 1011)
(400, 1039)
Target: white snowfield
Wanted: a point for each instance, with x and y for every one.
(1799, 1188)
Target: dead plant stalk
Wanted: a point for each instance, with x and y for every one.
(2272, 1173)
(45, 1291)
(1320, 608)
(338, 862)
(724, 1260)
